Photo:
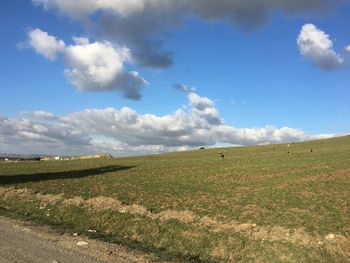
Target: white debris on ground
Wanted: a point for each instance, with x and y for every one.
(82, 243)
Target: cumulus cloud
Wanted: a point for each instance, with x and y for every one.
(34, 136)
(203, 109)
(316, 45)
(125, 132)
(44, 44)
(100, 66)
(142, 24)
(264, 135)
(97, 66)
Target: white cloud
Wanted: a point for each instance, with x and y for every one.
(97, 66)
(40, 115)
(44, 44)
(125, 132)
(316, 45)
(264, 135)
(33, 136)
(141, 24)
(204, 109)
(94, 66)
(81, 40)
(347, 49)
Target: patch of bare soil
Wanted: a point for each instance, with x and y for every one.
(182, 216)
(77, 201)
(51, 199)
(207, 221)
(101, 203)
(8, 192)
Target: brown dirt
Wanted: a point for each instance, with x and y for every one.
(52, 199)
(181, 216)
(101, 203)
(77, 201)
(207, 221)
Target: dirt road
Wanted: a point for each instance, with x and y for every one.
(23, 242)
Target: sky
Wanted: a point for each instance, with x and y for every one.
(150, 76)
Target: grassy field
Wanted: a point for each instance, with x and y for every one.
(274, 203)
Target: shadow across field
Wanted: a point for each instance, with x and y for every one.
(36, 177)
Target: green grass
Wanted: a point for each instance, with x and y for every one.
(262, 185)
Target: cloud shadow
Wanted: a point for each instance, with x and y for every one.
(36, 177)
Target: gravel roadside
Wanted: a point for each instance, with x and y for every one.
(24, 242)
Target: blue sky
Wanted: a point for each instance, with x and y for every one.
(252, 86)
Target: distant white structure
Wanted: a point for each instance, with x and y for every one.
(57, 158)
(6, 159)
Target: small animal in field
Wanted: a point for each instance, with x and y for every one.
(222, 155)
(311, 150)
